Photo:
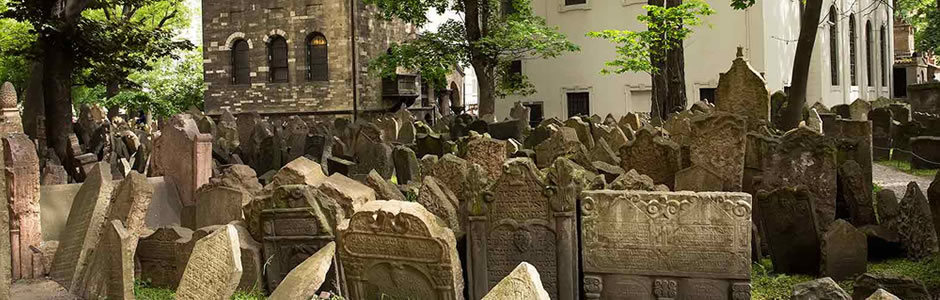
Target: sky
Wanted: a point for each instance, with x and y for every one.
(194, 34)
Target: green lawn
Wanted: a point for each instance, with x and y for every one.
(905, 166)
(143, 291)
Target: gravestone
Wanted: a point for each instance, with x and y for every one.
(633, 180)
(856, 195)
(843, 251)
(917, 233)
(295, 226)
(631, 120)
(214, 268)
(699, 179)
(441, 202)
(859, 110)
(806, 158)
(666, 245)
(881, 294)
(398, 250)
(384, 189)
(901, 112)
(83, 228)
(245, 124)
(790, 228)
(159, 255)
(347, 193)
(653, 155)
(226, 133)
(523, 282)
(406, 135)
(54, 174)
(303, 281)
(823, 288)
(926, 151)
(375, 156)
(6, 257)
(602, 152)
(562, 142)
(509, 129)
(219, 205)
(449, 170)
(933, 194)
(488, 153)
(521, 223)
(240, 177)
(185, 155)
(718, 144)
(583, 130)
(904, 287)
(300, 171)
(10, 121)
(406, 164)
(614, 136)
(297, 130)
(112, 272)
(882, 125)
(743, 91)
(520, 112)
(22, 178)
(855, 143)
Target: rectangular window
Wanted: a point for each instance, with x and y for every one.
(707, 95)
(515, 72)
(575, 2)
(579, 104)
(536, 113)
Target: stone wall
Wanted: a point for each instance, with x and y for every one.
(255, 21)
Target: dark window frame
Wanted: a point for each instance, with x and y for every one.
(853, 50)
(318, 67)
(868, 61)
(575, 2)
(884, 56)
(278, 65)
(833, 46)
(578, 103)
(241, 62)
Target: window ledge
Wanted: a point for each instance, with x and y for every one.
(574, 7)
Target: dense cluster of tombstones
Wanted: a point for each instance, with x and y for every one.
(388, 207)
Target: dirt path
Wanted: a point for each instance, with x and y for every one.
(40, 289)
(891, 178)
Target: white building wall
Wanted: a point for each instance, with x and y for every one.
(768, 31)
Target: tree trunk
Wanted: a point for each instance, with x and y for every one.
(486, 79)
(676, 99)
(804, 55)
(33, 106)
(57, 96)
(111, 91)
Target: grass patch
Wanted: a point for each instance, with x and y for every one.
(765, 285)
(926, 271)
(905, 166)
(144, 291)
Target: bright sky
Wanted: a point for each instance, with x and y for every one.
(194, 34)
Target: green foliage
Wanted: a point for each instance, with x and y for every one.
(14, 42)
(667, 28)
(143, 291)
(926, 271)
(765, 285)
(505, 35)
(924, 16)
(928, 38)
(252, 295)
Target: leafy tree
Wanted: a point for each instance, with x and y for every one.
(649, 51)
(14, 41)
(489, 37)
(90, 43)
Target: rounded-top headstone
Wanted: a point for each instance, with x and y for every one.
(7, 96)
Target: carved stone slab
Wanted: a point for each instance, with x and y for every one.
(718, 144)
(303, 281)
(214, 268)
(398, 250)
(83, 228)
(523, 283)
(790, 229)
(665, 245)
(293, 231)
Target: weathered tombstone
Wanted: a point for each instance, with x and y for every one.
(523, 282)
(882, 125)
(297, 130)
(859, 110)
(451, 171)
(718, 144)
(881, 294)
(406, 135)
(83, 228)
(743, 91)
(304, 280)
(915, 225)
(384, 190)
(633, 180)
(631, 120)
(185, 155)
(807, 158)
(111, 274)
(856, 195)
(843, 251)
(22, 178)
(901, 112)
(790, 228)
(398, 250)
(375, 156)
(488, 153)
(159, 254)
(6, 257)
(214, 268)
(699, 179)
(406, 164)
(441, 202)
(823, 288)
(226, 134)
(855, 143)
(520, 112)
(300, 171)
(293, 227)
(653, 155)
(348, 194)
(562, 142)
(933, 195)
(904, 287)
(521, 223)
(602, 152)
(614, 136)
(842, 110)
(666, 245)
(926, 151)
(219, 205)
(814, 121)
(509, 129)
(340, 165)
(10, 121)
(245, 125)
(583, 130)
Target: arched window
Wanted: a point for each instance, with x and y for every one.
(277, 59)
(241, 67)
(833, 46)
(868, 40)
(853, 51)
(317, 66)
(884, 56)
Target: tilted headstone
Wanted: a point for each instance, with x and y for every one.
(562, 142)
(297, 130)
(406, 164)
(375, 156)
(488, 153)
(718, 144)
(743, 91)
(83, 228)
(789, 226)
(159, 255)
(859, 110)
(300, 171)
(843, 251)
(398, 250)
(856, 194)
(442, 202)
(219, 205)
(185, 155)
(823, 288)
(653, 155)
(915, 225)
(384, 189)
(111, 274)
(347, 193)
(293, 227)
(245, 125)
(304, 280)
(523, 282)
(22, 178)
(614, 136)
(214, 268)
(904, 287)
(583, 130)
(521, 223)
(666, 245)
(881, 294)
(807, 158)
(451, 171)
